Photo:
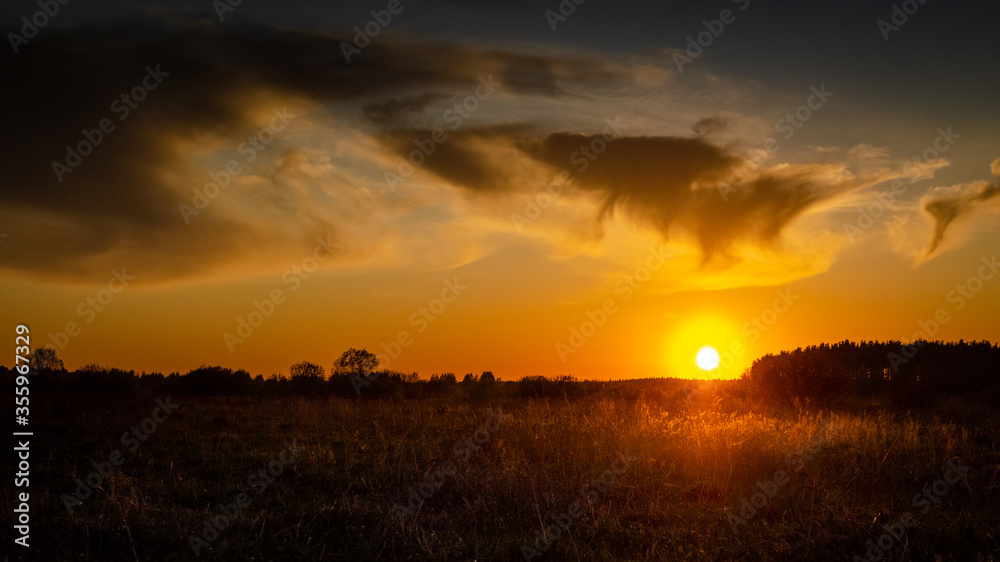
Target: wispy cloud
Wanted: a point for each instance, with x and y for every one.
(325, 173)
(121, 204)
(947, 204)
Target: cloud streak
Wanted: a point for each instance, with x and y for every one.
(946, 205)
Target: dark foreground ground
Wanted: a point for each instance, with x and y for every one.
(670, 474)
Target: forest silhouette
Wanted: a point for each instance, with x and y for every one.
(890, 372)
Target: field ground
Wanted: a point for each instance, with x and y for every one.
(530, 477)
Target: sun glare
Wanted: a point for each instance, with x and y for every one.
(707, 358)
(712, 341)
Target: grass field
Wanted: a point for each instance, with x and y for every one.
(664, 475)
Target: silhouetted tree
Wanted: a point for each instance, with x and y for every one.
(215, 380)
(95, 378)
(772, 378)
(45, 359)
(307, 369)
(446, 378)
(307, 378)
(355, 362)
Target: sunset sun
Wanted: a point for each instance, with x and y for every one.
(714, 344)
(707, 358)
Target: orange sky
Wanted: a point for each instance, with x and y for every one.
(527, 206)
(508, 322)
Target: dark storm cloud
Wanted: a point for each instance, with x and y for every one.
(762, 208)
(946, 208)
(664, 182)
(672, 182)
(650, 177)
(119, 203)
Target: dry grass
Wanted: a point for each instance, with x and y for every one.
(335, 502)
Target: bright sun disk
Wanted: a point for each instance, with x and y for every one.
(707, 358)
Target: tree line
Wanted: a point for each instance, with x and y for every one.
(907, 374)
(904, 374)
